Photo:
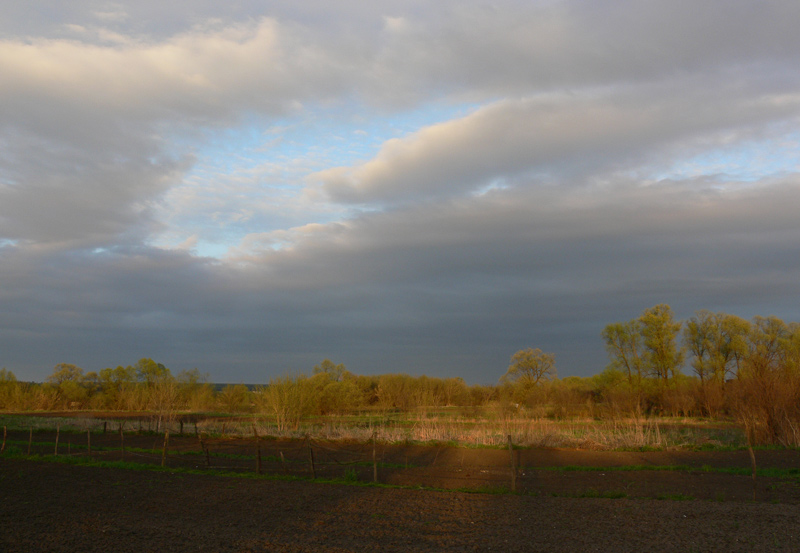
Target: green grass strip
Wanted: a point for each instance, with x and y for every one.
(744, 471)
(493, 490)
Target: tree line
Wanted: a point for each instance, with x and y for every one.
(150, 386)
(740, 369)
(746, 369)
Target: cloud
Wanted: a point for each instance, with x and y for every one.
(391, 291)
(95, 134)
(557, 200)
(556, 138)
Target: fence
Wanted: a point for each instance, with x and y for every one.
(370, 460)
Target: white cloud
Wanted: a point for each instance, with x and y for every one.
(556, 138)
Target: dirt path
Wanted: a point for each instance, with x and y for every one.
(53, 507)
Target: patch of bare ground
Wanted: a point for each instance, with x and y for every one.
(54, 507)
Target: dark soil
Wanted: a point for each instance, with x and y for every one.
(48, 506)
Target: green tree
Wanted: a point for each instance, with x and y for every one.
(9, 388)
(339, 397)
(716, 342)
(196, 393)
(767, 346)
(288, 398)
(530, 366)
(625, 347)
(118, 387)
(455, 391)
(65, 372)
(659, 333)
(7, 376)
(234, 399)
(68, 381)
(334, 371)
(150, 372)
(699, 336)
(161, 389)
(394, 391)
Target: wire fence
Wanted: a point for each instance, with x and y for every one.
(370, 460)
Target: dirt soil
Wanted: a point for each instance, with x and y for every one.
(54, 507)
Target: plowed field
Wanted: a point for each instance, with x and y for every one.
(55, 507)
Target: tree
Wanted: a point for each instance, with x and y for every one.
(732, 345)
(150, 372)
(8, 388)
(625, 347)
(716, 342)
(288, 398)
(68, 380)
(659, 332)
(334, 371)
(161, 387)
(195, 391)
(234, 399)
(699, 335)
(455, 391)
(394, 391)
(164, 395)
(767, 343)
(338, 397)
(530, 366)
(65, 372)
(768, 384)
(119, 387)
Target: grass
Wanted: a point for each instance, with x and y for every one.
(447, 427)
(788, 473)
(351, 478)
(743, 471)
(674, 497)
(594, 493)
(444, 427)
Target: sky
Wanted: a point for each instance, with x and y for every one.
(248, 188)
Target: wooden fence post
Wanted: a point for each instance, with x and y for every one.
(283, 461)
(205, 449)
(30, 440)
(122, 442)
(311, 458)
(164, 452)
(58, 429)
(89, 442)
(5, 433)
(750, 431)
(258, 451)
(374, 457)
(513, 466)
(753, 463)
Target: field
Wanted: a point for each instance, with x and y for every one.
(211, 499)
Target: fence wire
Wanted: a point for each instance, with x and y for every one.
(364, 460)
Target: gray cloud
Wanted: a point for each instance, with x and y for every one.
(533, 220)
(452, 290)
